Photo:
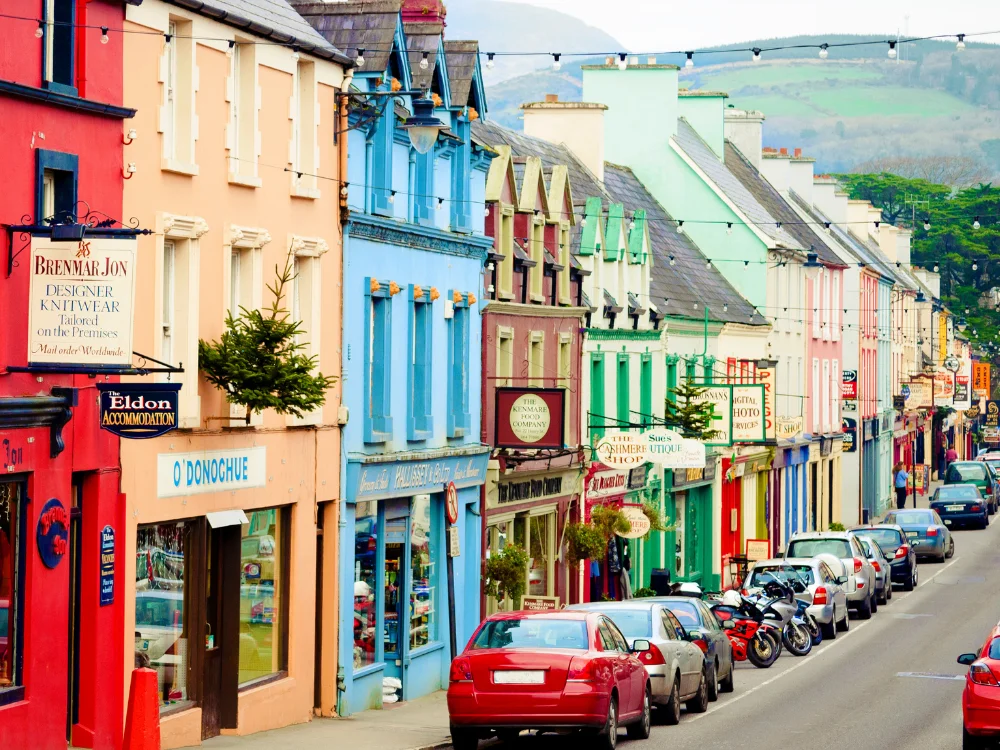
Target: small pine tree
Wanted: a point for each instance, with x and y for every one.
(694, 418)
(259, 362)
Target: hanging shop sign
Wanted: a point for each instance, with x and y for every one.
(788, 428)
(963, 399)
(451, 502)
(530, 417)
(138, 410)
(944, 388)
(179, 474)
(972, 412)
(849, 385)
(991, 435)
(758, 549)
(767, 376)
(899, 402)
(921, 394)
(621, 450)
(720, 399)
(107, 568)
(52, 533)
(952, 363)
(80, 302)
(848, 407)
(992, 416)
(981, 380)
(672, 451)
(384, 479)
(849, 427)
(531, 489)
(638, 522)
(687, 477)
(607, 483)
(749, 414)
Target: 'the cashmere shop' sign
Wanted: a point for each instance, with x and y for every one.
(80, 303)
(403, 478)
(198, 473)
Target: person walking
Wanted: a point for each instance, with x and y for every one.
(899, 480)
(949, 458)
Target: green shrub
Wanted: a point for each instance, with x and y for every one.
(584, 542)
(506, 574)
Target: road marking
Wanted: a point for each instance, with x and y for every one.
(931, 675)
(908, 615)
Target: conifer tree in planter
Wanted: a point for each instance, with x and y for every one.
(259, 362)
(694, 418)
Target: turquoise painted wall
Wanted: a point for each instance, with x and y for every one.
(705, 113)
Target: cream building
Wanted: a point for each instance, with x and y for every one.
(236, 170)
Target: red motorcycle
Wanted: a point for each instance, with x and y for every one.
(752, 637)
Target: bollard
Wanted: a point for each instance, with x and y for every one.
(142, 719)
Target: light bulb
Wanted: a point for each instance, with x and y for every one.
(631, 223)
(556, 65)
(229, 49)
(976, 224)
(295, 55)
(424, 64)
(892, 50)
(756, 54)
(960, 47)
(359, 61)
(937, 268)
(725, 307)
(40, 31)
(344, 190)
(689, 63)
(708, 263)
(729, 227)
(104, 35)
(489, 60)
(680, 227)
(672, 261)
(927, 225)
(486, 212)
(439, 204)
(583, 221)
(824, 51)
(826, 226)
(622, 61)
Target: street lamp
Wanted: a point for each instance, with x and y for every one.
(812, 266)
(962, 324)
(422, 126)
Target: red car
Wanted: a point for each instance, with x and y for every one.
(559, 671)
(981, 697)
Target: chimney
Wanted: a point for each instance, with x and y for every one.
(903, 246)
(858, 219)
(826, 198)
(580, 125)
(784, 151)
(705, 112)
(801, 176)
(798, 153)
(743, 128)
(887, 240)
(777, 169)
(424, 11)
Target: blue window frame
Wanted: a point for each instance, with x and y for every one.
(459, 419)
(461, 167)
(424, 199)
(378, 343)
(382, 147)
(420, 422)
(55, 171)
(59, 46)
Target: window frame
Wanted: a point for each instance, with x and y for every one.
(420, 361)
(646, 389)
(459, 346)
(377, 367)
(597, 397)
(505, 357)
(565, 374)
(65, 164)
(16, 690)
(49, 39)
(242, 128)
(303, 144)
(623, 401)
(536, 359)
(168, 288)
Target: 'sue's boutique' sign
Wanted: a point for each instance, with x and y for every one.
(530, 417)
(138, 410)
(80, 306)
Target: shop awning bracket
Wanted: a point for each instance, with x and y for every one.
(54, 411)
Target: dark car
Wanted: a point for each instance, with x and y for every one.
(707, 633)
(925, 531)
(978, 474)
(893, 542)
(960, 505)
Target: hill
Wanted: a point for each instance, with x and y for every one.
(855, 106)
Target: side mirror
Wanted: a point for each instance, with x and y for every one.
(967, 659)
(728, 624)
(842, 580)
(640, 645)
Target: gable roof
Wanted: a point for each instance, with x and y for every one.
(461, 58)
(708, 162)
(423, 38)
(768, 197)
(368, 25)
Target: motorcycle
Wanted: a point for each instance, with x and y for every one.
(810, 622)
(749, 634)
(778, 603)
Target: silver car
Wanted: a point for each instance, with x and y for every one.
(823, 587)
(676, 667)
(860, 586)
(883, 585)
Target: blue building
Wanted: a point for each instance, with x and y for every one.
(414, 251)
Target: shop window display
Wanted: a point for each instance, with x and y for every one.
(423, 589)
(365, 586)
(541, 552)
(9, 521)
(162, 634)
(261, 571)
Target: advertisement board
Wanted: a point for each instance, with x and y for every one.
(849, 427)
(767, 376)
(530, 417)
(849, 385)
(138, 410)
(749, 414)
(981, 380)
(920, 394)
(720, 398)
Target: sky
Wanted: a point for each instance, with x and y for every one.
(656, 25)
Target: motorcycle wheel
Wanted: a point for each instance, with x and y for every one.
(775, 636)
(797, 639)
(762, 651)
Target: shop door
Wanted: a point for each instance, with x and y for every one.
(74, 557)
(814, 498)
(219, 702)
(730, 521)
(394, 595)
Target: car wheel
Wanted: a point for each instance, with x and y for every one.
(713, 682)
(874, 602)
(699, 704)
(607, 738)
(844, 625)
(911, 582)
(865, 609)
(828, 629)
(670, 712)
(508, 736)
(728, 684)
(640, 730)
(951, 542)
(464, 739)
(888, 591)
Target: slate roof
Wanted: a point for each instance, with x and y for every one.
(368, 25)
(421, 38)
(702, 155)
(460, 57)
(675, 289)
(772, 201)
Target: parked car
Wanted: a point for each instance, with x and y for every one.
(883, 585)
(549, 670)
(961, 505)
(895, 545)
(708, 634)
(677, 667)
(979, 474)
(860, 587)
(927, 533)
(981, 697)
(824, 587)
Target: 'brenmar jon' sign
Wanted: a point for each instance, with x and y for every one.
(81, 302)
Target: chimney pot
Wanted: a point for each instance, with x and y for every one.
(798, 153)
(550, 98)
(784, 151)
(609, 60)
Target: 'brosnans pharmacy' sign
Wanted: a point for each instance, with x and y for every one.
(210, 471)
(81, 302)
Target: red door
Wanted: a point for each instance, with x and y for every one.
(731, 518)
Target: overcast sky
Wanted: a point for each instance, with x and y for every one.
(652, 25)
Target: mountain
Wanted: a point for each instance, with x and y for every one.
(515, 27)
(854, 106)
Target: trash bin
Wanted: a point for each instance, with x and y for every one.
(659, 581)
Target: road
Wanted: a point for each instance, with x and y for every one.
(891, 681)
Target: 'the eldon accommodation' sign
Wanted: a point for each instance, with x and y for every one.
(80, 306)
(138, 410)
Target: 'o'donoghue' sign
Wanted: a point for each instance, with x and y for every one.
(210, 471)
(80, 307)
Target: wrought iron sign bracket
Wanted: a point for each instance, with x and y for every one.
(140, 369)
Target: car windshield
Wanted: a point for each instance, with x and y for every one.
(634, 623)
(993, 463)
(885, 538)
(532, 632)
(687, 613)
(158, 611)
(912, 517)
(968, 472)
(784, 573)
(958, 492)
(811, 547)
(867, 547)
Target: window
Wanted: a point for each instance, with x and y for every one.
(235, 282)
(55, 185)
(825, 382)
(169, 124)
(691, 370)
(303, 143)
(817, 305)
(541, 554)
(566, 262)
(366, 630)
(378, 380)
(461, 161)
(163, 603)
(596, 416)
(536, 359)
(264, 556)
(646, 389)
(814, 395)
(178, 120)
(169, 284)
(624, 414)
(381, 164)
(565, 375)
(242, 135)
(607, 639)
(668, 627)
(836, 377)
(537, 250)
(420, 421)
(505, 356)
(634, 623)
(423, 572)
(505, 245)
(424, 198)
(60, 52)
(459, 418)
(306, 306)
(537, 632)
(835, 308)
(672, 378)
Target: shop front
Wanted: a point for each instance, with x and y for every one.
(869, 470)
(394, 550)
(689, 510)
(795, 491)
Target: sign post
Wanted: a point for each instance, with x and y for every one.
(451, 516)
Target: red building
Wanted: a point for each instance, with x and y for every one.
(61, 640)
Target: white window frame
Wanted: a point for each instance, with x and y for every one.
(825, 388)
(536, 359)
(249, 242)
(565, 354)
(836, 377)
(814, 396)
(178, 118)
(835, 308)
(817, 305)
(243, 93)
(826, 305)
(505, 357)
(306, 305)
(304, 116)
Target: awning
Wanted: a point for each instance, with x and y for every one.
(221, 518)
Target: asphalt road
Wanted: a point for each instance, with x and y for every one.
(891, 681)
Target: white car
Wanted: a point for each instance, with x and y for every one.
(860, 586)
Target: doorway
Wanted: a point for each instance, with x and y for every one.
(814, 499)
(74, 558)
(219, 704)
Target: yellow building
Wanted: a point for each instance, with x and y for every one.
(235, 169)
